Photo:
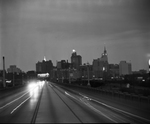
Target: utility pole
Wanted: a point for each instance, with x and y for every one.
(69, 76)
(13, 77)
(149, 68)
(4, 83)
(88, 73)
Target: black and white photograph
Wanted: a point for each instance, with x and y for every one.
(75, 61)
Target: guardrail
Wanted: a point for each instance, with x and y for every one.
(121, 95)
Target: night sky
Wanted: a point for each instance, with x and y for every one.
(32, 29)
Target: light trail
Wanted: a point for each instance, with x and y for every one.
(116, 108)
(87, 104)
(16, 99)
(20, 105)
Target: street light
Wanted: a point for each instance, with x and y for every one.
(88, 73)
(4, 83)
(149, 67)
(13, 77)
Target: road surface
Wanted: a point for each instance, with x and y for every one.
(47, 102)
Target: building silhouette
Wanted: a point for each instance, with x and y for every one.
(113, 70)
(76, 60)
(62, 68)
(44, 66)
(84, 70)
(100, 65)
(63, 64)
(125, 68)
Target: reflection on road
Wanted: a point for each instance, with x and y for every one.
(34, 91)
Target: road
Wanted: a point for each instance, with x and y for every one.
(51, 103)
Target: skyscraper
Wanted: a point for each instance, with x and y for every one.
(44, 66)
(76, 60)
(100, 65)
(104, 57)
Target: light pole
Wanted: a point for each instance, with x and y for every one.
(149, 67)
(88, 73)
(13, 77)
(4, 83)
(62, 75)
(69, 76)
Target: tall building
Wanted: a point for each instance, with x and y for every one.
(100, 65)
(124, 68)
(44, 66)
(62, 68)
(76, 60)
(63, 64)
(104, 56)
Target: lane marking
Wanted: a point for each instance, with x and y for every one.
(50, 85)
(71, 96)
(112, 107)
(15, 100)
(87, 104)
(96, 110)
(20, 105)
(117, 109)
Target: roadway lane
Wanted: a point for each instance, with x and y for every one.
(103, 110)
(141, 109)
(54, 104)
(10, 94)
(21, 108)
(57, 107)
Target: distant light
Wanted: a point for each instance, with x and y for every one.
(103, 68)
(143, 80)
(8, 81)
(128, 85)
(43, 75)
(73, 51)
(100, 78)
(44, 58)
(149, 61)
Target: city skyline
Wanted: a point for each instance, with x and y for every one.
(33, 29)
(74, 51)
